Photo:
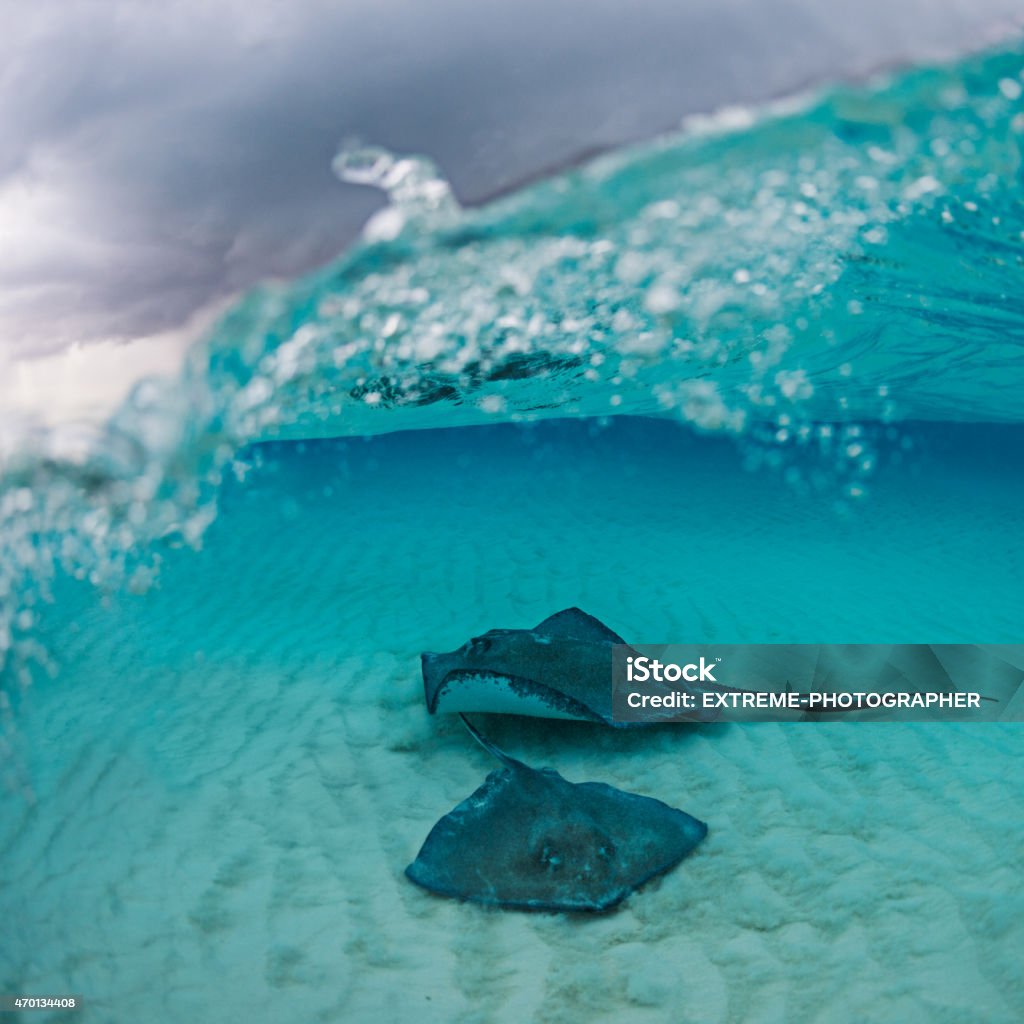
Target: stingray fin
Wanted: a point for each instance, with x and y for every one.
(573, 624)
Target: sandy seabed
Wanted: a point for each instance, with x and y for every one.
(231, 773)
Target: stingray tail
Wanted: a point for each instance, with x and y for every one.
(487, 744)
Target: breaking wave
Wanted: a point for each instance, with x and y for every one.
(792, 276)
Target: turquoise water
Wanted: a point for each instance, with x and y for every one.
(231, 771)
(751, 384)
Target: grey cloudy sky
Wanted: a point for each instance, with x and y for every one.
(155, 157)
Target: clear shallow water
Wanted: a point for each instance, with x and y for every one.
(231, 772)
(232, 764)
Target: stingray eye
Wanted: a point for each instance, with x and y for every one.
(479, 645)
(606, 851)
(550, 857)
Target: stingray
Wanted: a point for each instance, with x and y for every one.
(528, 839)
(562, 668)
(559, 669)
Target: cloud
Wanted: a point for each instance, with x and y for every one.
(155, 158)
